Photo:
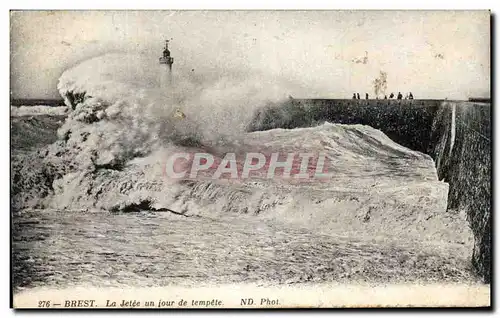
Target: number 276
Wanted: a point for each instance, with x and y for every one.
(44, 304)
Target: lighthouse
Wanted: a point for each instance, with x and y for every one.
(168, 60)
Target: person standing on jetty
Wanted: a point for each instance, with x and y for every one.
(358, 95)
(410, 96)
(354, 96)
(366, 95)
(400, 96)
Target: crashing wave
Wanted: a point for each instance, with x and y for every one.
(121, 128)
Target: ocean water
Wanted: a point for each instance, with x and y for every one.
(59, 249)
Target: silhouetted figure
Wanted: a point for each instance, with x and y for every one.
(411, 96)
(366, 95)
(400, 96)
(357, 94)
(391, 96)
(354, 96)
(385, 96)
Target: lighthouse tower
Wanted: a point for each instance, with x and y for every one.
(168, 60)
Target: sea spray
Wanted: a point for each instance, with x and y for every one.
(216, 105)
(121, 110)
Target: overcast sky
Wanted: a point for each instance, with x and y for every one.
(435, 54)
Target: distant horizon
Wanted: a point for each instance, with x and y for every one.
(36, 101)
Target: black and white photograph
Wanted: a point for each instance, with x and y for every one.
(169, 159)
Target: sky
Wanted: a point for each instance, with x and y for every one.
(433, 54)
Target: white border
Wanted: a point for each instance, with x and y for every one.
(184, 4)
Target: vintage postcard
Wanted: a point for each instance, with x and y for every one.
(250, 159)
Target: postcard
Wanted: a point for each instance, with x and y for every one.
(250, 159)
